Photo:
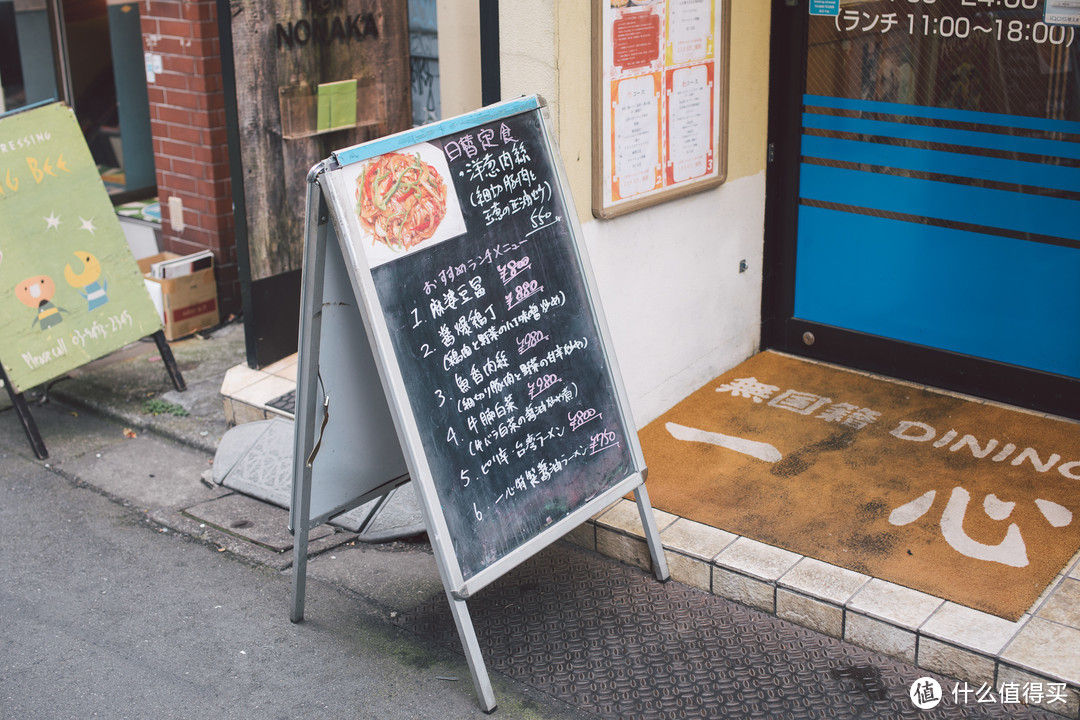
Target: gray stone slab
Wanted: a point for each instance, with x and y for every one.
(264, 469)
(256, 459)
(357, 519)
(252, 520)
(398, 517)
(400, 579)
(179, 521)
(148, 472)
(234, 445)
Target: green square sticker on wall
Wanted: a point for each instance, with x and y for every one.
(337, 105)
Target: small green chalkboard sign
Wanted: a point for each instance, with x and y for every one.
(70, 289)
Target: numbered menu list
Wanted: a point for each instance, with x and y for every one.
(499, 350)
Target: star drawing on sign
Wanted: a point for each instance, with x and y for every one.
(52, 221)
(87, 225)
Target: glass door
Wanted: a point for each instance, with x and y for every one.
(927, 171)
(89, 54)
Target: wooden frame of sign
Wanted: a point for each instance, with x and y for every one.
(660, 101)
(452, 257)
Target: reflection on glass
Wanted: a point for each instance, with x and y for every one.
(966, 54)
(103, 63)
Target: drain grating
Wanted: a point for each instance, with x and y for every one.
(285, 403)
(612, 641)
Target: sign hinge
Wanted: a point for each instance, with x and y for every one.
(772, 152)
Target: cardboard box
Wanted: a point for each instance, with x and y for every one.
(187, 303)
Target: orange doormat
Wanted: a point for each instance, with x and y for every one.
(966, 501)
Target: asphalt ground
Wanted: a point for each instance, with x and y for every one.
(109, 613)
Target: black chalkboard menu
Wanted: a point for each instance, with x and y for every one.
(468, 250)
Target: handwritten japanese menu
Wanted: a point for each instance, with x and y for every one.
(475, 267)
(660, 99)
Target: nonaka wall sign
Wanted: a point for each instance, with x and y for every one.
(70, 290)
(325, 22)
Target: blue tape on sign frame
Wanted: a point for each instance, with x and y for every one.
(24, 108)
(390, 143)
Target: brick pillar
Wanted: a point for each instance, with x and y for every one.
(191, 153)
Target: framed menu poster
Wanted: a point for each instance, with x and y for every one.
(660, 79)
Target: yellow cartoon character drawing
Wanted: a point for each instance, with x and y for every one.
(88, 282)
(37, 292)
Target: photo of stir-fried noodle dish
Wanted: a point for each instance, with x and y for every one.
(400, 200)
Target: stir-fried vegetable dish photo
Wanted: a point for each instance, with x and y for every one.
(400, 200)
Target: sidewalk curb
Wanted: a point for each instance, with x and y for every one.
(139, 422)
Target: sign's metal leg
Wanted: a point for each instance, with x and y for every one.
(299, 574)
(307, 374)
(652, 534)
(22, 410)
(467, 633)
(170, 362)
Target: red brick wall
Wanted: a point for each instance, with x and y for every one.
(187, 119)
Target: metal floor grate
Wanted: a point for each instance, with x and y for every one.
(285, 403)
(609, 639)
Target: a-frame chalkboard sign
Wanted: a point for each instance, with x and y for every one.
(447, 298)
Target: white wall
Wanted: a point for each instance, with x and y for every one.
(679, 310)
(459, 56)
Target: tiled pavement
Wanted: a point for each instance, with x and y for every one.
(1039, 655)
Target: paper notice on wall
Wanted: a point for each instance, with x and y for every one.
(689, 123)
(825, 7)
(337, 105)
(635, 124)
(1062, 12)
(661, 93)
